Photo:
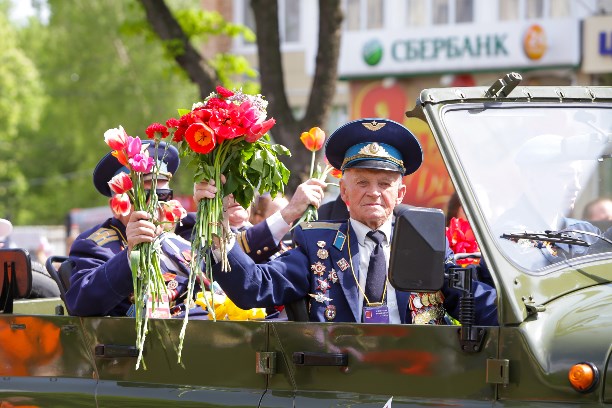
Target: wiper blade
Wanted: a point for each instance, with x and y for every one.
(557, 237)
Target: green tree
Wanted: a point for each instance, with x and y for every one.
(97, 76)
(171, 28)
(21, 104)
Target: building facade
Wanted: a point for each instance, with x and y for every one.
(392, 49)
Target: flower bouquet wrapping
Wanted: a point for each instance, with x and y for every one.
(461, 240)
(226, 134)
(129, 190)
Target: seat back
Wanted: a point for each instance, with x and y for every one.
(15, 276)
(297, 311)
(61, 274)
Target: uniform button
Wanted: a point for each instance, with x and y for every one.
(259, 252)
(266, 248)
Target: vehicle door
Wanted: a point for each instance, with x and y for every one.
(44, 362)
(217, 365)
(342, 364)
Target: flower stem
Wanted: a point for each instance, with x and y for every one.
(312, 163)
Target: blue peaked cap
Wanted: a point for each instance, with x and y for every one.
(374, 143)
(109, 166)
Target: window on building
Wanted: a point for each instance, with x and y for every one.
(452, 11)
(534, 9)
(290, 23)
(464, 11)
(560, 8)
(439, 12)
(289, 19)
(248, 19)
(363, 14)
(374, 14)
(352, 15)
(416, 13)
(508, 10)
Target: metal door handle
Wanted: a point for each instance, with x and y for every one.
(115, 350)
(306, 358)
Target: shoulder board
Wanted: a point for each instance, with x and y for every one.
(320, 225)
(103, 236)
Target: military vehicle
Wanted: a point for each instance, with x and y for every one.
(520, 157)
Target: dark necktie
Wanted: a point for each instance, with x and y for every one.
(377, 269)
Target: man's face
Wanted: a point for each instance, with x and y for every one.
(371, 195)
(237, 215)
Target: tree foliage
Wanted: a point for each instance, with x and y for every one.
(22, 101)
(170, 29)
(96, 76)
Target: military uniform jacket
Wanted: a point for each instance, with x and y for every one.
(101, 282)
(319, 269)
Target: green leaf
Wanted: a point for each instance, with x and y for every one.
(257, 163)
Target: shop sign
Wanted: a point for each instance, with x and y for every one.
(597, 45)
(553, 43)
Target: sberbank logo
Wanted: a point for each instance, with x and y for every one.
(372, 52)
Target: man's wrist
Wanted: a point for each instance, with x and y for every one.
(289, 215)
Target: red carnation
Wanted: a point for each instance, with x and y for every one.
(172, 123)
(461, 239)
(156, 128)
(226, 93)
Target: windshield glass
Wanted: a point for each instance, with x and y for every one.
(533, 170)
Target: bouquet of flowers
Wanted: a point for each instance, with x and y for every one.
(461, 239)
(226, 134)
(313, 140)
(129, 189)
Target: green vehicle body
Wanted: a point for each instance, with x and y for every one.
(549, 321)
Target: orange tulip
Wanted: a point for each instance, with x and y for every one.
(121, 156)
(201, 138)
(313, 139)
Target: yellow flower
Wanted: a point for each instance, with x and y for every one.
(225, 309)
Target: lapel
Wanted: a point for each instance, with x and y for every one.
(346, 277)
(402, 297)
(402, 305)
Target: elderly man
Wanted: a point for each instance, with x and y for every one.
(341, 268)
(101, 282)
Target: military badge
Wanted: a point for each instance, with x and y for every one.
(322, 253)
(318, 268)
(330, 312)
(374, 125)
(321, 244)
(323, 285)
(339, 240)
(416, 301)
(319, 297)
(343, 264)
(333, 276)
(173, 284)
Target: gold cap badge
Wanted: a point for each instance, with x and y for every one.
(374, 125)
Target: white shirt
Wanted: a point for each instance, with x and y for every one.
(366, 246)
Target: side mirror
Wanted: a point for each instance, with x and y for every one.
(15, 276)
(418, 249)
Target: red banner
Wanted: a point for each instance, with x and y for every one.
(430, 185)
